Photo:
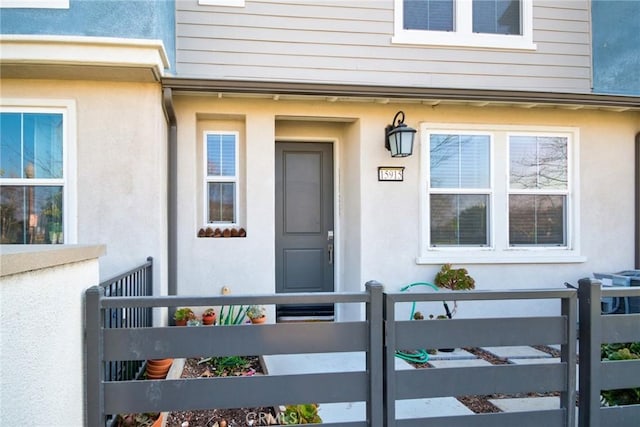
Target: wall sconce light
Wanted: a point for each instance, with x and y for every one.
(398, 138)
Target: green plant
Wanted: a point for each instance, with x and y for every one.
(255, 312)
(301, 414)
(620, 351)
(453, 279)
(227, 365)
(184, 313)
(136, 420)
(231, 317)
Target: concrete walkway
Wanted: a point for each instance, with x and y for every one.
(415, 408)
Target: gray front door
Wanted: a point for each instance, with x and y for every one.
(304, 222)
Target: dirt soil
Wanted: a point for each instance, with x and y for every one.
(214, 417)
(244, 416)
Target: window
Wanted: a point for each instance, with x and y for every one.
(221, 177)
(230, 3)
(35, 4)
(32, 176)
(499, 194)
(473, 23)
(459, 189)
(538, 190)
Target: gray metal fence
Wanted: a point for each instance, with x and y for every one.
(597, 375)
(480, 380)
(379, 336)
(106, 345)
(133, 283)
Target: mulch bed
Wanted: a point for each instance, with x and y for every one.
(215, 417)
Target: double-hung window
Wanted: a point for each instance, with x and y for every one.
(221, 177)
(499, 194)
(473, 23)
(538, 190)
(460, 189)
(33, 178)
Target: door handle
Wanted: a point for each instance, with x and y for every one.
(330, 249)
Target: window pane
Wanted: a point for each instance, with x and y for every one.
(538, 162)
(496, 16)
(10, 145)
(459, 161)
(459, 219)
(31, 214)
(431, 15)
(30, 145)
(537, 220)
(222, 197)
(221, 155)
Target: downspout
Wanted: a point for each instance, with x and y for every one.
(637, 202)
(172, 191)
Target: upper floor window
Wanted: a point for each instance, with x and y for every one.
(221, 177)
(474, 23)
(499, 194)
(32, 176)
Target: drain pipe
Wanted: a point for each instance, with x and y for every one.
(637, 267)
(172, 191)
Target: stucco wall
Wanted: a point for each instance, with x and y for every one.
(121, 168)
(42, 343)
(379, 221)
(143, 19)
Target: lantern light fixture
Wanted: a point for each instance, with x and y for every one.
(398, 137)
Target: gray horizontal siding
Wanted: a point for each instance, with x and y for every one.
(350, 42)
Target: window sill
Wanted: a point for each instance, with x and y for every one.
(489, 256)
(452, 39)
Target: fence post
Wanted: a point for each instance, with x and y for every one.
(590, 339)
(375, 354)
(93, 357)
(568, 356)
(389, 361)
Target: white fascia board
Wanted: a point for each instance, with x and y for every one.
(78, 50)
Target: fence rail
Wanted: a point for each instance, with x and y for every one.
(597, 375)
(379, 336)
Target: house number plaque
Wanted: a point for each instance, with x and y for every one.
(390, 173)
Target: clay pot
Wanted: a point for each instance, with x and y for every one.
(209, 320)
(259, 320)
(158, 368)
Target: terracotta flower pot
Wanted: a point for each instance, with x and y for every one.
(209, 320)
(181, 322)
(259, 320)
(158, 368)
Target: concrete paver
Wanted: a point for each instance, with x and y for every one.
(527, 403)
(458, 363)
(516, 352)
(457, 354)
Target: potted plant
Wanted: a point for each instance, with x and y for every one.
(301, 414)
(183, 315)
(147, 419)
(209, 317)
(454, 279)
(256, 313)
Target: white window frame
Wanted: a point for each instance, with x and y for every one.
(235, 179)
(228, 3)
(463, 35)
(35, 4)
(486, 191)
(499, 251)
(69, 173)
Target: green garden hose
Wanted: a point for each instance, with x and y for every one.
(418, 356)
